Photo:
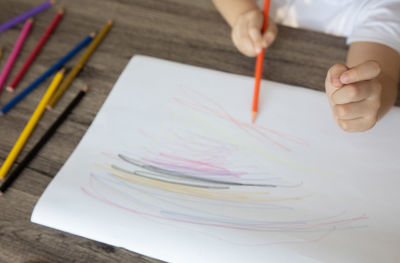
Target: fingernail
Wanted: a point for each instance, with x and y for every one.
(344, 78)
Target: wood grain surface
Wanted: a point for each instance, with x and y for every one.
(186, 31)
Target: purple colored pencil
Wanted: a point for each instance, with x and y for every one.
(25, 16)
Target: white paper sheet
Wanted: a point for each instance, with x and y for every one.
(172, 168)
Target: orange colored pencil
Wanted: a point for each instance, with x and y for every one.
(259, 66)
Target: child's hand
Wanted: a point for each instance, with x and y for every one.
(246, 33)
(354, 95)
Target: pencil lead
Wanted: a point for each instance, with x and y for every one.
(253, 117)
(10, 89)
(85, 89)
(62, 70)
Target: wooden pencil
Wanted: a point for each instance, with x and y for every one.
(30, 126)
(15, 52)
(26, 15)
(53, 24)
(45, 75)
(1, 52)
(259, 66)
(45, 138)
(82, 61)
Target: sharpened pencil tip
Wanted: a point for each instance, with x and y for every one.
(62, 70)
(110, 22)
(31, 19)
(52, 2)
(48, 107)
(10, 89)
(85, 89)
(62, 11)
(1, 193)
(253, 117)
(93, 34)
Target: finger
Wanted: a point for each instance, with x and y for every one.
(364, 108)
(247, 47)
(356, 92)
(270, 34)
(357, 125)
(255, 36)
(254, 30)
(365, 71)
(242, 41)
(332, 81)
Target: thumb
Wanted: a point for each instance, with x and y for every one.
(332, 81)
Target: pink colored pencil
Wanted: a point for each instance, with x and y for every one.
(36, 51)
(15, 52)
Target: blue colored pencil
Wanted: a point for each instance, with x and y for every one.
(48, 73)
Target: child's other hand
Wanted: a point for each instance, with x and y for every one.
(246, 33)
(354, 95)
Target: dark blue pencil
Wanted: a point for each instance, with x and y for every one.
(48, 73)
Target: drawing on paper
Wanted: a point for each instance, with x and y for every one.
(186, 178)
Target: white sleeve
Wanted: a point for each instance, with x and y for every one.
(378, 21)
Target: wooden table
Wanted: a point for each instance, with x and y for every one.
(186, 31)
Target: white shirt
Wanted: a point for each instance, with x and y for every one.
(358, 20)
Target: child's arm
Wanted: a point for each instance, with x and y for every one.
(232, 9)
(364, 90)
(246, 20)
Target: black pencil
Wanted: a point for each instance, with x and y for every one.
(50, 132)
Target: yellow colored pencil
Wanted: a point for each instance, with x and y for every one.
(82, 61)
(30, 126)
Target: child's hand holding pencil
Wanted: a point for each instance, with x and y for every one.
(247, 35)
(246, 20)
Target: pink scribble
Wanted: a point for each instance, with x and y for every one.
(193, 166)
(248, 128)
(302, 225)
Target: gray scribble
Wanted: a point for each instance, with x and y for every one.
(160, 171)
(150, 175)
